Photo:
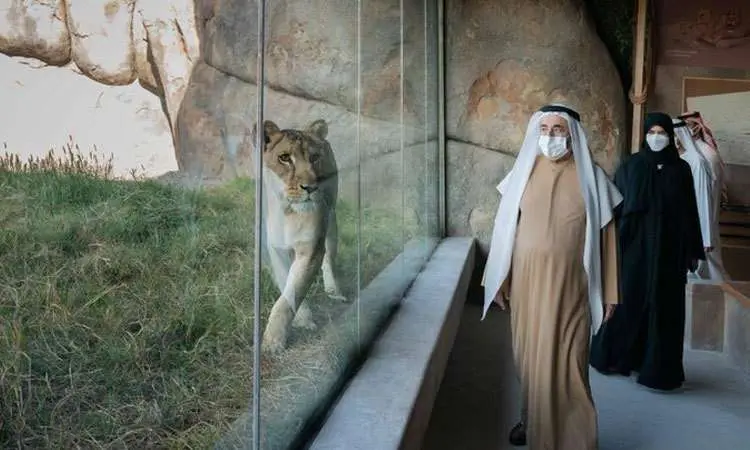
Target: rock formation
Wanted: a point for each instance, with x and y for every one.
(504, 59)
(112, 42)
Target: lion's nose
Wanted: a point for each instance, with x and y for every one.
(309, 188)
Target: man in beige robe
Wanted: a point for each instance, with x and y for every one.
(554, 254)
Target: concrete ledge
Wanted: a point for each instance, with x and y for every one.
(718, 319)
(737, 344)
(346, 339)
(387, 404)
(705, 316)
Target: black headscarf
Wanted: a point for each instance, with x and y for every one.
(562, 109)
(667, 155)
(646, 165)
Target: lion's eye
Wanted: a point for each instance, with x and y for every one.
(285, 158)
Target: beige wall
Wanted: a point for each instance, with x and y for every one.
(667, 93)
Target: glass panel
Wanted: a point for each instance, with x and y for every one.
(421, 119)
(382, 139)
(311, 182)
(351, 115)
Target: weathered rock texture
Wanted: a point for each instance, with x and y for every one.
(101, 37)
(35, 29)
(505, 59)
(173, 48)
(113, 42)
(312, 49)
(311, 73)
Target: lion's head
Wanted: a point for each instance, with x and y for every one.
(301, 159)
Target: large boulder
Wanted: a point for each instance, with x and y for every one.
(504, 60)
(311, 73)
(173, 48)
(101, 38)
(311, 48)
(35, 29)
(218, 113)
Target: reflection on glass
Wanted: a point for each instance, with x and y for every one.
(349, 140)
(421, 110)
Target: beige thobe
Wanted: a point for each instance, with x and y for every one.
(550, 313)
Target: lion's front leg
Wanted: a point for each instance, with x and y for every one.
(301, 273)
(330, 281)
(277, 329)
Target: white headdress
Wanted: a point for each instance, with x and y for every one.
(702, 178)
(682, 133)
(599, 193)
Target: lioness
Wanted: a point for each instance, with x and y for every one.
(300, 184)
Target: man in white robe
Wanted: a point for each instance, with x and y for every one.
(554, 251)
(713, 268)
(707, 145)
(702, 184)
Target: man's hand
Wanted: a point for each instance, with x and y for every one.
(708, 249)
(609, 311)
(501, 300)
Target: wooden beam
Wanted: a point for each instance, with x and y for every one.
(738, 290)
(639, 75)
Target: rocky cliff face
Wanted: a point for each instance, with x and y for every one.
(504, 59)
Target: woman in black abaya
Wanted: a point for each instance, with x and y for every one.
(659, 241)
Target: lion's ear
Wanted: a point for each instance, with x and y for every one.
(318, 128)
(271, 132)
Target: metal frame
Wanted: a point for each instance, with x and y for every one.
(442, 160)
(259, 147)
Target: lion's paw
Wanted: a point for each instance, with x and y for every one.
(304, 319)
(274, 340)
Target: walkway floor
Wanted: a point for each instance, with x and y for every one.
(477, 403)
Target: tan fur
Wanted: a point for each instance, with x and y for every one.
(300, 184)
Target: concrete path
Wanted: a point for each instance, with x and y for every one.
(477, 403)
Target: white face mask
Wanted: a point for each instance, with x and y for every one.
(553, 148)
(657, 142)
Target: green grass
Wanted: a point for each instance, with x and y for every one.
(126, 308)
